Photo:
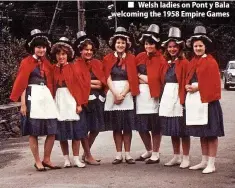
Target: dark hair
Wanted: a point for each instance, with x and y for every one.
(180, 54)
(60, 48)
(122, 38)
(208, 45)
(39, 42)
(84, 45)
(150, 40)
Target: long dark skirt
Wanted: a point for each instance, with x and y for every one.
(36, 127)
(95, 116)
(215, 126)
(174, 126)
(72, 130)
(148, 122)
(120, 120)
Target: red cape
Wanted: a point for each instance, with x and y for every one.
(83, 76)
(181, 71)
(27, 65)
(208, 76)
(72, 82)
(129, 61)
(154, 67)
(97, 69)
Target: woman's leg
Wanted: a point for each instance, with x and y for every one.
(146, 138)
(176, 160)
(33, 144)
(212, 151)
(76, 147)
(204, 147)
(186, 147)
(92, 136)
(127, 136)
(48, 145)
(65, 150)
(89, 158)
(156, 137)
(118, 139)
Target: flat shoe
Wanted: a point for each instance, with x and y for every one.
(40, 169)
(117, 161)
(51, 167)
(92, 163)
(140, 158)
(150, 161)
(130, 161)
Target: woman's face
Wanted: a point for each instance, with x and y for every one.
(149, 48)
(199, 48)
(173, 48)
(62, 57)
(87, 52)
(40, 51)
(120, 45)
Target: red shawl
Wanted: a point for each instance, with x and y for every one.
(97, 68)
(154, 66)
(129, 61)
(67, 74)
(208, 76)
(83, 76)
(181, 71)
(27, 65)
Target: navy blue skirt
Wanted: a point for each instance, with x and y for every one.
(215, 126)
(95, 116)
(174, 126)
(72, 130)
(36, 127)
(120, 120)
(148, 122)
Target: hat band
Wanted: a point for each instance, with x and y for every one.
(49, 43)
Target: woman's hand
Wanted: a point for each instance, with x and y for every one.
(23, 109)
(118, 98)
(191, 88)
(79, 109)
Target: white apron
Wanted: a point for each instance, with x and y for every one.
(42, 103)
(66, 105)
(170, 102)
(196, 111)
(127, 103)
(145, 104)
(93, 97)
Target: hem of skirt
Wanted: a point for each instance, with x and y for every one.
(207, 136)
(118, 110)
(37, 134)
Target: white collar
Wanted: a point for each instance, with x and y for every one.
(172, 61)
(34, 56)
(204, 55)
(123, 55)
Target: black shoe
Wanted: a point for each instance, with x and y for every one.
(150, 161)
(40, 169)
(130, 161)
(51, 167)
(117, 161)
(140, 158)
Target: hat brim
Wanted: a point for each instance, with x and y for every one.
(30, 41)
(111, 40)
(84, 38)
(66, 44)
(179, 42)
(154, 37)
(204, 37)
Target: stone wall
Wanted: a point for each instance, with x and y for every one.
(9, 120)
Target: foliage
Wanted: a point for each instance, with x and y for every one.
(13, 52)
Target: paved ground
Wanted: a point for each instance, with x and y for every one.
(16, 164)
